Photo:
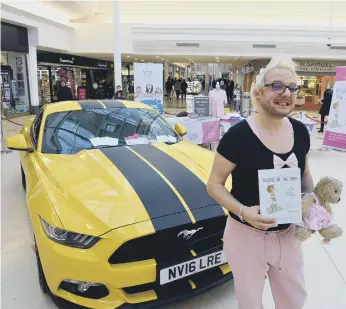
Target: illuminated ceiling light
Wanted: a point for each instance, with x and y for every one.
(162, 58)
(127, 56)
(136, 58)
(157, 57)
(187, 44)
(263, 46)
(142, 60)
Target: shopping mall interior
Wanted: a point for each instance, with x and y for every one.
(89, 60)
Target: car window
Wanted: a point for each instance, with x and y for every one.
(72, 131)
(35, 130)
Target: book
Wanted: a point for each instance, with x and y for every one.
(280, 194)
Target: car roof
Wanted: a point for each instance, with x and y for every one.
(92, 104)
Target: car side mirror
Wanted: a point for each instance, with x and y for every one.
(18, 142)
(180, 128)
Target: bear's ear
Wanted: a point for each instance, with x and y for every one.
(322, 185)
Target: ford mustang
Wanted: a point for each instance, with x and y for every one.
(118, 204)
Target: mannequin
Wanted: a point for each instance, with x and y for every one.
(217, 101)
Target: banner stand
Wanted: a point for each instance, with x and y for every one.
(148, 82)
(335, 136)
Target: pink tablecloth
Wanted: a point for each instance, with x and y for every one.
(199, 131)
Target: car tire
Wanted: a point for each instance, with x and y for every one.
(41, 277)
(23, 178)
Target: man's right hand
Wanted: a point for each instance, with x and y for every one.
(252, 216)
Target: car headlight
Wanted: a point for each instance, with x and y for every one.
(67, 238)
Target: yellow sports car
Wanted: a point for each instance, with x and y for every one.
(119, 208)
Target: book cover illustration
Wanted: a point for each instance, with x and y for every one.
(280, 194)
(274, 207)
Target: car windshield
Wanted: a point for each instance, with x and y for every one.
(72, 131)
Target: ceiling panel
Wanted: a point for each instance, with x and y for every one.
(242, 12)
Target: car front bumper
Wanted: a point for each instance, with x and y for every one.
(130, 285)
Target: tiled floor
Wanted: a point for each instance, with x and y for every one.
(325, 264)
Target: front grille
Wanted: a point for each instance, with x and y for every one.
(168, 249)
(180, 286)
(181, 289)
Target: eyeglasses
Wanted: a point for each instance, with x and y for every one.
(281, 88)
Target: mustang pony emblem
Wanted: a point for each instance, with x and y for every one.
(188, 234)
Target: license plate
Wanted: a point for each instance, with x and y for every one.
(191, 267)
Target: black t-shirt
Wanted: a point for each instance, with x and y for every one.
(241, 146)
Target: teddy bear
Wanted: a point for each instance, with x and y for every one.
(317, 210)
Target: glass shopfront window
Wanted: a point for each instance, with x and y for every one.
(312, 90)
(127, 73)
(78, 73)
(14, 84)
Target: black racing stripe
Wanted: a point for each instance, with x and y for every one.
(157, 197)
(112, 103)
(89, 104)
(190, 187)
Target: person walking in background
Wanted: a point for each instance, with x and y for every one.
(229, 92)
(169, 87)
(222, 85)
(64, 93)
(214, 84)
(256, 246)
(177, 88)
(184, 87)
(324, 110)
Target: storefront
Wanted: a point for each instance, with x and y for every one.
(79, 73)
(315, 76)
(15, 98)
(127, 78)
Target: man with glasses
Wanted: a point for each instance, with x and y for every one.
(256, 246)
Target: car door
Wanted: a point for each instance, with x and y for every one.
(28, 159)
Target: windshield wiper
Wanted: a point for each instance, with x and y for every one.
(106, 146)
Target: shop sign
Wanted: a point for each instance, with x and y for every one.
(49, 57)
(69, 61)
(102, 65)
(316, 66)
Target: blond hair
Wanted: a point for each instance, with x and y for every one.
(276, 62)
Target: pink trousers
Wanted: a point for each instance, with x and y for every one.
(255, 255)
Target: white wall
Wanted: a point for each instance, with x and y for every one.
(99, 38)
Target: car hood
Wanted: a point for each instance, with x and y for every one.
(104, 189)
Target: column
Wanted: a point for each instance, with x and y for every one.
(117, 47)
(166, 72)
(32, 70)
(33, 82)
(206, 91)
